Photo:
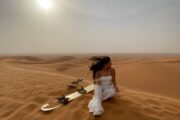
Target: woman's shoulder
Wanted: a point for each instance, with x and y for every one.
(112, 70)
(98, 73)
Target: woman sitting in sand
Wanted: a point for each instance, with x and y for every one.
(104, 83)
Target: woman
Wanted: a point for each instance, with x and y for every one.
(104, 83)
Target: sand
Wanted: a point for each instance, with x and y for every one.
(149, 88)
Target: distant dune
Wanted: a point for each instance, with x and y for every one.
(149, 88)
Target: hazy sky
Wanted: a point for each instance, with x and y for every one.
(90, 26)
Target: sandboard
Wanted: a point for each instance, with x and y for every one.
(75, 83)
(66, 99)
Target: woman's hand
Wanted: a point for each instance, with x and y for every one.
(97, 81)
(116, 88)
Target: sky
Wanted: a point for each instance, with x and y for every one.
(89, 26)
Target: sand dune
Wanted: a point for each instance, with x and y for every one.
(167, 61)
(38, 60)
(148, 88)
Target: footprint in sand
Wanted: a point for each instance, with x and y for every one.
(153, 102)
(40, 100)
(171, 109)
(23, 111)
(9, 109)
(79, 113)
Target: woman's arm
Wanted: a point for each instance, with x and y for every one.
(114, 80)
(97, 75)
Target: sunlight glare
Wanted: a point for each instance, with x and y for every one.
(45, 4)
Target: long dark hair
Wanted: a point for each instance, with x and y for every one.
(98, 63)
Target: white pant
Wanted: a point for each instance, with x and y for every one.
(102, 92)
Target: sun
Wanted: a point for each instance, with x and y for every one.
(45, 4)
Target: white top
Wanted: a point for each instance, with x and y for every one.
(106, 80)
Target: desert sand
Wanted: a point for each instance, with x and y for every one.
(149, 87)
